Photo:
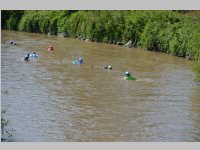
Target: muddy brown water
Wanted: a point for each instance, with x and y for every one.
(50, 99)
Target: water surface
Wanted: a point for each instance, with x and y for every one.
(50, 99)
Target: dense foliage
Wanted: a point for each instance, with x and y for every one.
(165, 31)
(11, 18)
(197, 58)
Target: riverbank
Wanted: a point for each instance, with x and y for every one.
(164, 31)
(173, 32)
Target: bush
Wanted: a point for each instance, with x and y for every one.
(164, 31)
(10, 19)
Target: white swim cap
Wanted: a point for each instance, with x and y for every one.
(109, 67)
(127, 72)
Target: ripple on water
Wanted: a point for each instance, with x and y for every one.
(53, 100)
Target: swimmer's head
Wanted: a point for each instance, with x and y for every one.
(110, 67)
(127, 73)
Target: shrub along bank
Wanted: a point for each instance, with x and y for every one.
(164, 31)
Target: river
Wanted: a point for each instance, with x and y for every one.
(50, 99)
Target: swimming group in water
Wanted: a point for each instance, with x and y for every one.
(126, 75)
(28, 56)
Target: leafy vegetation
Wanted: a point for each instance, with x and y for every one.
(165, 31)
(197, 58)
(170, 32)
(10, 19)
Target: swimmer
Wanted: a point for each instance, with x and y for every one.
(127, 76)
(12, 43)
(108, 67)
(34, 54)
(80, 60)
(50, 48)
(26, 58)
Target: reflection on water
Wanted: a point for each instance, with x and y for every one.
(52, 100)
